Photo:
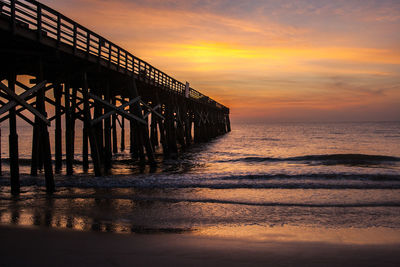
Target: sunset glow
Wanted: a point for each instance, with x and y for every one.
(266, 60)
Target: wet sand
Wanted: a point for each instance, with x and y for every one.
(51, 247)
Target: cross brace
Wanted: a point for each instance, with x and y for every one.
(20, 99)
(152, 110)
(118, 110)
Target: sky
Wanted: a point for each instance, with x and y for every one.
(266, 60)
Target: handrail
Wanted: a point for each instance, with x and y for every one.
(50, 23)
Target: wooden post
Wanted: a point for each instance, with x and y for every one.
(122, 133)
(73, 119)
(163, 138)
(148, 145)
(132, 132)
(189, 125)
(180, 136)
(48, 167)
(142, 131)
(138, 142)
(58, 135)
(170, 128)
(39, 151)
(13, 20)
(228, 123)
(98, 128)
(44, 137)
(13, 142)
(204, 128)
(197, 125)
(211, 125)
(154, 132)
(221, 123)
(68, 130)
(1, 173)
(186, 120)
(224, 124)
(39, 22)
(85, 150)
(114, 129)
(35, 148)
(94, 149)
(107, 132)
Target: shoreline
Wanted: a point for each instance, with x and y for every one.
(39, 246)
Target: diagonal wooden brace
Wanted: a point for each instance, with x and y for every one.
(112, 112)
(201, 117)
(24, 95)
(23, 103)
(63, 111)
(119, 111)
(206, 117)
(152, 110)
(18, 113)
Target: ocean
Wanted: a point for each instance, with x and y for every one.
(336, 182)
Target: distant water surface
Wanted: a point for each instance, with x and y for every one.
(259, 180)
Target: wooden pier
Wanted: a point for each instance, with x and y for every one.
(76, 74)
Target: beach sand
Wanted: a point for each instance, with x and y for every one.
(38, 246)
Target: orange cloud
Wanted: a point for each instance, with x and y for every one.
(264, 58)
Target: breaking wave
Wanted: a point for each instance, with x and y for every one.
(328, 159)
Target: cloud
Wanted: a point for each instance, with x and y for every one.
(262, 57)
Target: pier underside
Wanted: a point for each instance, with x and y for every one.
(53, 69)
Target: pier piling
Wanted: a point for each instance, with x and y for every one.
(79, 75)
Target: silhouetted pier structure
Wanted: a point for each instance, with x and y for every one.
(76, 74)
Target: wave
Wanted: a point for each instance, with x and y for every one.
(270, 139)
(327, 159)
(269, 204)
(236, 186)
(222, 201)
(312, 181)
(315, 176)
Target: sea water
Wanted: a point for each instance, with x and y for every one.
(302, 181)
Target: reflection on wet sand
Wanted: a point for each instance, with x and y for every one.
(93, 214)
(204, 212)
(61, 214)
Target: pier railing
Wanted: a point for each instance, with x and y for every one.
(51, 24)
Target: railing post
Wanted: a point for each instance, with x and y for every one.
(58, 30)
(12, 3)
(126, 60)
(39, 21)
(99, 50)
(109, 54)
(88, 44)
(118, 60)
(75, 34)
(135, 65)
